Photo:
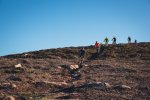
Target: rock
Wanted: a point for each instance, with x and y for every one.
(126, 87)
(65, 97)
(85, 65)
(70, 67)
(17, 69)
(13, 86)
(83, 84)
(92, 85)
(74, 67)
(57, 83)
(27, 55)
(63, 84)
(18, 66)
(121, 87)
(44, 83)
(7, 86)
(31, 98)
(59, 67)
(107, 85)
(98, 82)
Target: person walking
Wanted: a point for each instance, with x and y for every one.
(97, 46)
(114, 40)
(129, 39)
(81, 56)
(135, 41)
(106, 40)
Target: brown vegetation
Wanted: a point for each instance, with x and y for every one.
(120, 72)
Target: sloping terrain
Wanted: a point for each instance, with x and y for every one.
(120, 71)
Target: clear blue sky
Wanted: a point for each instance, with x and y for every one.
(28, 25)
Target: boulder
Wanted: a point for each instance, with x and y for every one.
(73, 67)
(18, 66)
(17, 69)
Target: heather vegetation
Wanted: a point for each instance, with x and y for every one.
(120, 71)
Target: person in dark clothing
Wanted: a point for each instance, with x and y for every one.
(135, 41)
(81, 55)
(102, 48)
(114, 40)
(129, 39)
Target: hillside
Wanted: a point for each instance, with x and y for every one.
(120, 71)
(125, 51)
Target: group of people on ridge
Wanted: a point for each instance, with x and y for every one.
(114, 39)
(106, 40)
(129, 40)
(99, 47)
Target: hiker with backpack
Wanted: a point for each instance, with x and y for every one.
(97, 46)
(106, 40)
(114, 40)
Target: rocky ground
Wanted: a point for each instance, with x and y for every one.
(120, 72)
